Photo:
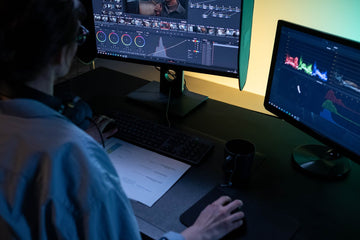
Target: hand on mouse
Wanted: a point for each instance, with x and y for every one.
(99, 124)
(216, 220)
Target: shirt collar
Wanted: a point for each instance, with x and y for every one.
(27, 108)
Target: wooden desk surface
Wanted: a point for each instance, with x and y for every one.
(323, 209)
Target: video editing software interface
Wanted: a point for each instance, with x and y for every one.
(202, 34)
(317, 82)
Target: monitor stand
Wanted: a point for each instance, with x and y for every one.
(321, 161)
(168, 94)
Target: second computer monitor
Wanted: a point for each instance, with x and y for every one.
(314, 83)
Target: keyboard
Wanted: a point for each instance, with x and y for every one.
(160, 138)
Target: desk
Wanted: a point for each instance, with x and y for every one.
(323, 209)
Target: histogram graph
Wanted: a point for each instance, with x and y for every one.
(310, 69)
(336, 111)
(170, 49)
(340, 107)
(325, 64)
(161, 51)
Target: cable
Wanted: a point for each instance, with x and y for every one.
(99, 131)
(91, 63)
(167, 108)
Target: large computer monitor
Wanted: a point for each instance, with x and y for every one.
(314, 84)
(176, 35)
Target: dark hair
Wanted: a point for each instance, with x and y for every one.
(31, 33)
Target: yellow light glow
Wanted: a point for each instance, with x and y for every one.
(339, 17)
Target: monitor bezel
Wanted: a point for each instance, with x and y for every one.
(330, 143)
(173, 65)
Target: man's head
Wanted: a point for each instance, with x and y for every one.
(157, 8)
(32, 34)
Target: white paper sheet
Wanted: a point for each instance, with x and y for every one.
(145, 175)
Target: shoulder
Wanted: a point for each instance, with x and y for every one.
(181, 9)
(56, 167)
(54, 147)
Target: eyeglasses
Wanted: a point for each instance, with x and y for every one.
(81, 36)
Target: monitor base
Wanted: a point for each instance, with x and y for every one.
(150, 95)
(321, 161)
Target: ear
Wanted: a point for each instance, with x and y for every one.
(63, 59)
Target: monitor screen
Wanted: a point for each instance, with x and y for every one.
(314, 83)
(203, 36)
(175, 35)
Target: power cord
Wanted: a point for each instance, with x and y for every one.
(99, 131)
(167, 108)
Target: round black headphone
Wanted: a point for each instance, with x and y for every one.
(72, 107)
(76, 110)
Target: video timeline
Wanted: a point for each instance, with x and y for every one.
(114, 12)
(163, 25)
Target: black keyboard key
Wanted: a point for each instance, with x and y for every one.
(161, 139)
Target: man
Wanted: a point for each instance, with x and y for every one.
(157, 7)
(173, 9)
(56, 181)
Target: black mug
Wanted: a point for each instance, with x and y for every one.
(239, 156)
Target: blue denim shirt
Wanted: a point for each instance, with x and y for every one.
(56, 182)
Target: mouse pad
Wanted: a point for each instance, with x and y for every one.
(260, 222)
